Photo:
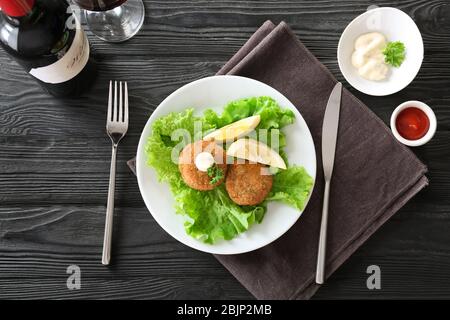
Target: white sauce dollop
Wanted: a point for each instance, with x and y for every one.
(368, 56)
(204, 161)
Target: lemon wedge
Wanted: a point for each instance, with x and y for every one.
(234, 130)
(256, 151)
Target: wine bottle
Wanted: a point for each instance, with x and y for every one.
(47, 40)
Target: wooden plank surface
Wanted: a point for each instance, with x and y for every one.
(54, 161)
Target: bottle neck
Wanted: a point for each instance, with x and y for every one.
(17, 8)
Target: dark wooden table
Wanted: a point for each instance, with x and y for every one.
(55, 155)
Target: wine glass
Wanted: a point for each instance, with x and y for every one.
(113, 20)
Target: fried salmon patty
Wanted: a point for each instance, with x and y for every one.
(248, 183)
(195, 178)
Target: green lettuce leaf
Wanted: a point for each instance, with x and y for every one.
(272, 116)
(212, 215)
(292, 187)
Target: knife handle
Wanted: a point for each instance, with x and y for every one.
(321, 255)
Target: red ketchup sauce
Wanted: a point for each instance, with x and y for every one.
(412, 123)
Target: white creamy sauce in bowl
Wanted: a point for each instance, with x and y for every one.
(368, 56)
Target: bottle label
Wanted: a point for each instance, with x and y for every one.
(69, 65)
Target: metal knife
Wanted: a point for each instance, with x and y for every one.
(329, 138)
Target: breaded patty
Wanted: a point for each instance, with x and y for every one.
(248, 183)
(195, 178)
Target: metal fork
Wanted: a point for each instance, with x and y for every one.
(116, 127)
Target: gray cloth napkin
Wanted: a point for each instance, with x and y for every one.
(374, 175)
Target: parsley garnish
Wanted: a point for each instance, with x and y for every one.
(394, 53)
(215, 173)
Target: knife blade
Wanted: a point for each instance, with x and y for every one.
(329, 139)
(330, 129)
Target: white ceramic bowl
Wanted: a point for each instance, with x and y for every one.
(430, 114)
(396, 26)
(216, 92)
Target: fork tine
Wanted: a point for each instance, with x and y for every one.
(126, 103)
(109, 102)
(120, 115)
(115, 102)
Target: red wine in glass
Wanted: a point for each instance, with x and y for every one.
(113, 20)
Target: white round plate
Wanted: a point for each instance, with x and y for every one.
(396, 26)
(216, 92)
